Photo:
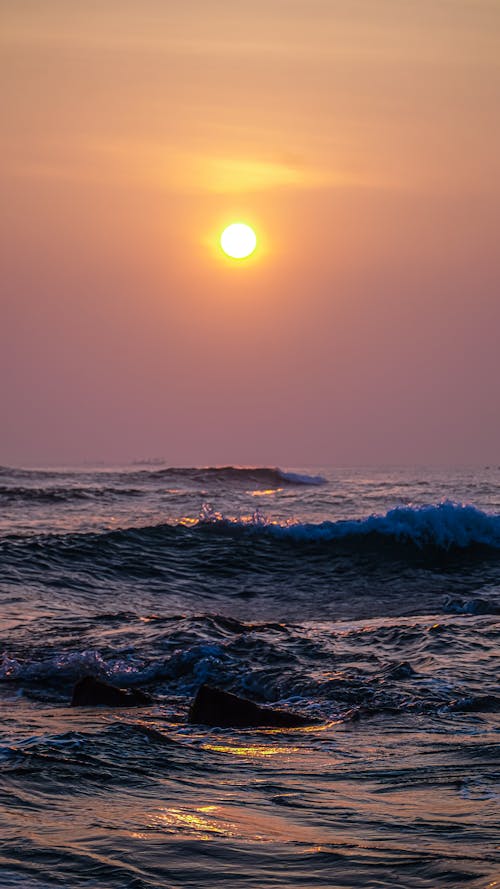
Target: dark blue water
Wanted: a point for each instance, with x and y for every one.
(368, 599)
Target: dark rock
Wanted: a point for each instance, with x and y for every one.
(91, 692)
(215, 707)
(402, 670)
(476, 704)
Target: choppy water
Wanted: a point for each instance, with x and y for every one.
(367, 598)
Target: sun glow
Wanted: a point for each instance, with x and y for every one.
(238, 240)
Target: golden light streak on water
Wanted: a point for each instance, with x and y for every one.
(212, 822)
(254, 751)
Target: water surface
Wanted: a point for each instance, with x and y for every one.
(367, 598)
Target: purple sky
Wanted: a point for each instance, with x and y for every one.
(362, 142)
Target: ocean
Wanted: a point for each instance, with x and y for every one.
(366, 599)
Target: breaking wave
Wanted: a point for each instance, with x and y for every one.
(444, 527)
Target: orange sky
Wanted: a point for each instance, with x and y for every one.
(360, 138)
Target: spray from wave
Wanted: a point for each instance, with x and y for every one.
(444, 526)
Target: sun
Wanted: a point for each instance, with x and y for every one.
(238, 240)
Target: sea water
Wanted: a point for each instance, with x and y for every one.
(367, 598)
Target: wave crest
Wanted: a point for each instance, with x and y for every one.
(261, 475)
(444, 527)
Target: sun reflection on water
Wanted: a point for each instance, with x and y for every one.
(196, 820)
(206, 822)
(255, 751)
(228, 821)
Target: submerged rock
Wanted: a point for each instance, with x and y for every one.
(215, 707)
(475, 704)
(402, 670)
(91, 692)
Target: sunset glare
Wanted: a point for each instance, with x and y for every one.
(238, 240)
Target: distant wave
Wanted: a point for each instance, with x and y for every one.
(20, 472)
(262, 475)
(57, 494)
(13, 472)
(246, 475)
